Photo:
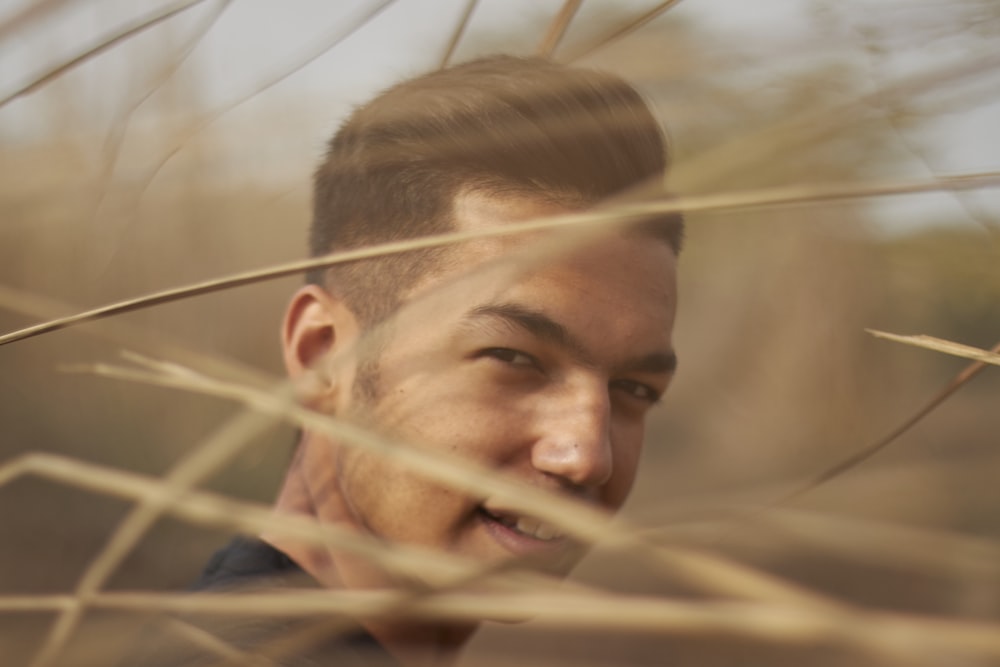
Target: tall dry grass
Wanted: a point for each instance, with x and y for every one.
(739, 546)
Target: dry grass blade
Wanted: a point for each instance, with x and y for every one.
(891, 635)
(192, 470)
(211, 509)
(136, 27)
(580, 520)
(28, 14)
(120, 127)
(126, 334)
(623, 31)
(753, 151)
(765, 197)
(941, 345)
(328, 42)
(215, 646)
(557, 30)
(936, 552)
(876, 58)
(456, 35)
(966, 374)
(301, 266)
(588, 524)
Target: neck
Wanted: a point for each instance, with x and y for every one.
(411, 643)
(419, 644)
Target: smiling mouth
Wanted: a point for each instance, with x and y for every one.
(524, 525)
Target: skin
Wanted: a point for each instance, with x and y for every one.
(544, 375)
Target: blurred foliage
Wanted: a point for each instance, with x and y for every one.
(949, 288)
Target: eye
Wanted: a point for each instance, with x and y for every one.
(638, 390)
(511, 357)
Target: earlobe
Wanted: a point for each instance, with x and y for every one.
(316, 325)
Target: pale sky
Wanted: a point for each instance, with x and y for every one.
(253, 41)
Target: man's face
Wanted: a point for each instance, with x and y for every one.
(547, 378)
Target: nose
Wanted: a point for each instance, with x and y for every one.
(574, 438)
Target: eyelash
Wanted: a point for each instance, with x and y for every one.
(509, 356)
(634, 389)
(646, 393)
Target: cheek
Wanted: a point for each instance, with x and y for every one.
(359, 482)
(627, 452)
(394, 503)
(459, 414)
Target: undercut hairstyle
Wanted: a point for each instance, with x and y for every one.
(498, 126)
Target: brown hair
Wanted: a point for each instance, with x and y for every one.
(498, 124)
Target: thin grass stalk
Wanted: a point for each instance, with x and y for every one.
(323, 47)
(619, 33)
(865, 453)
(892, 635)
(876, 65)
(584, 522)
(715, 165)
(213, 510)
(587, 522)
(618, 215)
(557, 29)
(456, 35)
(190, 471)
(210, 509)
(29, 13)
(136, 27)
(214, 646)
(940, 345)
(932, 551)
(127, 335)
(119, 128)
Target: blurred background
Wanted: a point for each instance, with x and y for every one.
(185, 152)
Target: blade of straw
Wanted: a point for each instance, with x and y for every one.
(623, 31)
(852, 461)
(783, 196)
(942, 345)
(133, 29)
(456, 36)
(557, 29)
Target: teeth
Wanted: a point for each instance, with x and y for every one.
(527, 526)
(544, 532)
(536, 529)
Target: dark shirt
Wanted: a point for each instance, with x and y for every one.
(248, 564)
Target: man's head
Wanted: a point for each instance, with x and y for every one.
(546, 375)
(502, 126)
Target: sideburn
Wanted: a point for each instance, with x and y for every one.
(366, 389)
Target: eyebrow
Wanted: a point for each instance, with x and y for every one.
(657, 362)
(544, 327)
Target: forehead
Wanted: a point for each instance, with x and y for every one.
(619, 283)
(622, 257)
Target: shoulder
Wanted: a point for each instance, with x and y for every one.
(250, 565)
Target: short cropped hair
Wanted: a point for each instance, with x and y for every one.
(497, 125)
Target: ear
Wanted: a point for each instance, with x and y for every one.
(316, 327)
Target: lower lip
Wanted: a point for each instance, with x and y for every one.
(518, 543)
